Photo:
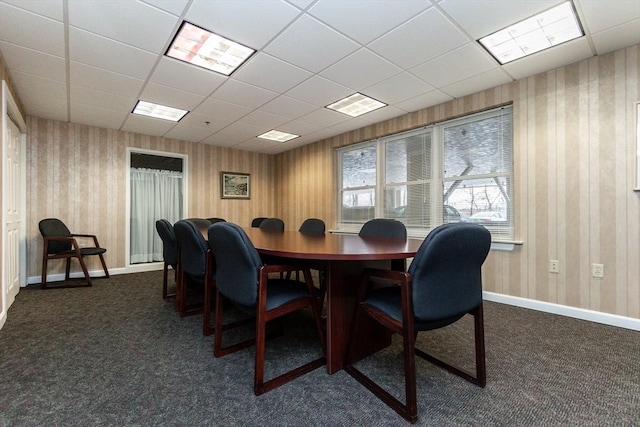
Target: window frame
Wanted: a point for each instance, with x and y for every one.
(437, 180)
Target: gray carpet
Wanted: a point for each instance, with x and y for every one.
(116, 354)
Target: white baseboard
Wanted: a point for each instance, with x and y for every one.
(564, 310)
(99, 273)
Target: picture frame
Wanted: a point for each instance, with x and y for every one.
(235, 185)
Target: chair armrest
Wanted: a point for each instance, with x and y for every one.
(90, 236)
(400, 276)
(281, 268)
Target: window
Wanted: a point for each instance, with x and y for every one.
(459, 170)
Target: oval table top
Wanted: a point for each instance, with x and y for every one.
(335, 247)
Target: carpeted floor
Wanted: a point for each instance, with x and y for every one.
(116, 354)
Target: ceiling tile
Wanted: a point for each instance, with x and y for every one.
(567, 53)
(455, 66)
(324, 118)
(268, 120)
(108, 54)
(243, 94)
(424, 100)
(612, 39)
(219, 113)
(51, 8)
(481, 18)
(258, 144)
(131, 22)
(185, 132)
(380, 16)
(45, 107)
(486, 80)
(409, 44)
(602, 15)
(319, 91)
(107, 100)
(180, 75)
(95, 116)
(31, 84)
(252, 23)
(298, 127)
(288, 107)
(24, 60)
(103, 80)
(224, 139)
(170, 97)
(398, 88)
(311, 45)
(172, 6)
(147, 125)
(271, 73)
(361, 69)
(48, 38)
(382, 114)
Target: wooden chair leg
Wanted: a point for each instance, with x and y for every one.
(104, 266)
(165, 274)
(43, 282)
(84, 270)
(68, 269)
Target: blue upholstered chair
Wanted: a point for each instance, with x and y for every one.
(169, 253)
(243, 278)
(272, 224)
(194, 279)
(312, 226)
(443, 284)
(383, 227)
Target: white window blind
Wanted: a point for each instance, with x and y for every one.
(459, 170)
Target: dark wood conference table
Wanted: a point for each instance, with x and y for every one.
(342, 256)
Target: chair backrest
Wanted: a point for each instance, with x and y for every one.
(257, 221)
(214, 220)
(169, 244)
(53, 227)
(446, 271)
(312, 226)
(192, 247)
(383, 227)
(201, 223)
(272, 224)
(237, 263)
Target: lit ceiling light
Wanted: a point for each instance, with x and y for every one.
(356, 105)
(158, 111)
(276, 135)
(203, 48)
(542, 31)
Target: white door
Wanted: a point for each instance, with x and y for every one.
(11, 195)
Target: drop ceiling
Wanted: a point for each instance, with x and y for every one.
(89, 62)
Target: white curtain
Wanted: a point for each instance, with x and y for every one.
(155, 194)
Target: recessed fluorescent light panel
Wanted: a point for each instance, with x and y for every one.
(276, 135)
(205, 49)
(356, 105)
(542, 31)
(158, 111)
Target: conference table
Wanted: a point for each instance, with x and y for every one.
(342, 257)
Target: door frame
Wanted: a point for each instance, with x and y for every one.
(150, 266)
(11, 112)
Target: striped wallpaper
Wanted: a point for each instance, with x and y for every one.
(574, 177)
(574, 154)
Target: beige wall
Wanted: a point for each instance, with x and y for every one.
(78, 173)
(574, 174)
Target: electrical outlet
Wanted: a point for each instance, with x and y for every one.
(554, 266)
(597, 270)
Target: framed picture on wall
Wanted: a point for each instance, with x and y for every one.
(234, 185)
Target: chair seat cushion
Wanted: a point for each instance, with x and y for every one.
(388, 301)
(282, 291)
(92, 251)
